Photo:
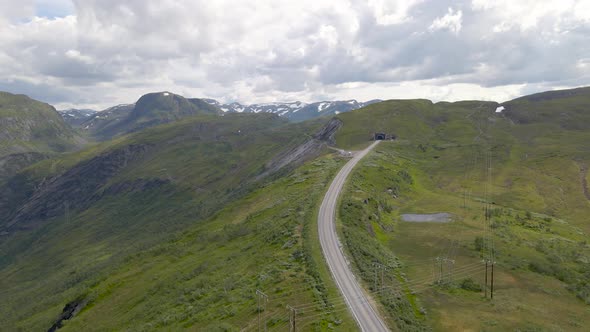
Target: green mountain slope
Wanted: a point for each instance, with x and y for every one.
(538, 151)
(177, 226)
(30, 131)
(150, 110)
(199, 208)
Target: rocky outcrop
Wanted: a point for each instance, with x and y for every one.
(70, 310)
(79, 187)
(306, 151)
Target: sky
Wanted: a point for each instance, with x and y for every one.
(99, 53)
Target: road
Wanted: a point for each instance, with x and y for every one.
(358, 302)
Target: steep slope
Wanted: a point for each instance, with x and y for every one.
(30, 131)
(150, 110)
(75, 225)
(103, 120)
(295, 111)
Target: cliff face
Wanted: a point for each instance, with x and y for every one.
(308, 150)
(75, 189)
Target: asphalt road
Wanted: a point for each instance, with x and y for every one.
(358, 302)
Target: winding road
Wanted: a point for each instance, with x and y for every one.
(358, 302)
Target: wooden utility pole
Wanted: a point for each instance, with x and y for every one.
(292, 318)
(492, 282)
(486, 282)
(382, 279)
(264, 298)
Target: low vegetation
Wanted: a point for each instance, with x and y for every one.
(188, 225)
(435, 273)
(189, 252)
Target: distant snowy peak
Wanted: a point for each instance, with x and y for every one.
(76, 113)
(76, 116)
(297, 111)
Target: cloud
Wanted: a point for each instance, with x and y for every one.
(97, 53)
(451, 21)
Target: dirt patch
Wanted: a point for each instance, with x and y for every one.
(583, 172)
(430, 217)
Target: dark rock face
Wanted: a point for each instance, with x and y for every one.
(326, 134)
(79, 187)
(70, 310)
(306, 151)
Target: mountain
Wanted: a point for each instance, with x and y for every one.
(150, 110)
(103, 120)
(74, 117)
(82, 218)
(30, 131)
(189, 225)
(566, 108)
(513, 187)
(295, 111)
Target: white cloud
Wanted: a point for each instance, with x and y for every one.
(392, 12)
(451, 21)
(102, 52)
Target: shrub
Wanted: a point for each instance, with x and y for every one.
(478, 242)
(470, 285)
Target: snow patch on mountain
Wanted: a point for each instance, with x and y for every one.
(296, 111)
(323, 105)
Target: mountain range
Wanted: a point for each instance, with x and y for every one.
(294, 111)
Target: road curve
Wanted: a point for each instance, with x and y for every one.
(358, 302)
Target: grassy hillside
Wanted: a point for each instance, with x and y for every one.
(169, 228)
(177, 226)
(538, 210)
(30, 131)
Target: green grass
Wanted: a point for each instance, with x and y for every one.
(539, 224)
(190, 253)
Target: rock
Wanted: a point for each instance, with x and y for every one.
(78, 187)
(304, 152)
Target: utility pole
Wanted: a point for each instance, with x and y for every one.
(375, 277)
(377, 266)
(292, 318)
(465, 199)
(433, 270)
(450, 265)
(382, 279)
(67, 211)
(492, 283)
(440, 269)
(264, 298)
(486, 281)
